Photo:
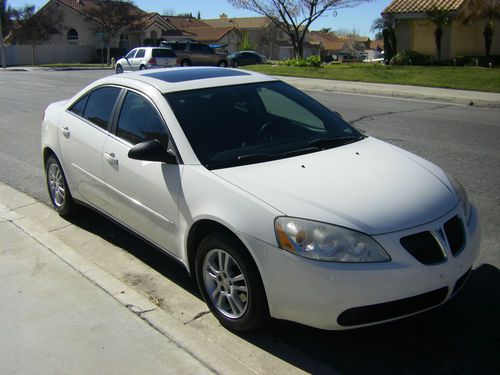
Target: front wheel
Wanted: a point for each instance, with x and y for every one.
(223, 64)
(230, 283)
(235, 64)
(57, 186)
(186, 62)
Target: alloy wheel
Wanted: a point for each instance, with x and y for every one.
(225, 283)
(57, 186)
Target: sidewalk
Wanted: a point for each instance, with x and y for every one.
(464, 97)
(63, 314)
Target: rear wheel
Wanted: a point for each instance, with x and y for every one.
(142, 67)
(57, 186)
(186, 62)
(230, 283)
(223, 64)
(118, 69)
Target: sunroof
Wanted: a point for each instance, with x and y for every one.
(182, 75)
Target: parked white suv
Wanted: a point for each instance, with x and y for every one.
(142, 58)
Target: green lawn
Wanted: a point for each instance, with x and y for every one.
(466, 78)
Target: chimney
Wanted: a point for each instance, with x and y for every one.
(223, 16)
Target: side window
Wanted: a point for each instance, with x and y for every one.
(79, 106)
(141, 53)
(100, 105)
(139, 121)
(131, 54)
(279, 105)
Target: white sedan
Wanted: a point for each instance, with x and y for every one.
(276, 205)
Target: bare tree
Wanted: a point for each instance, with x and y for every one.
(294, 16)
(112, 18)
(35, 27)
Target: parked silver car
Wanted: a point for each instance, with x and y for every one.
(142, 58)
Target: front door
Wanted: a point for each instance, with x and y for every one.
(143, 195)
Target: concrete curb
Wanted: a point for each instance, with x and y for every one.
(462, 97)
(182, 335)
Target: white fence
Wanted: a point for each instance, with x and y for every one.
(49, 54)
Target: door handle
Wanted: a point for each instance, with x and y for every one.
(66, 131)
(111, 158)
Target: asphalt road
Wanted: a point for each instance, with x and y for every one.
(463, 336)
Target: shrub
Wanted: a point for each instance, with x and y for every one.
(410, 58)
(308, 61)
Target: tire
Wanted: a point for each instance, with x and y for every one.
(58, 189)
(223, 64)
(119, 69)
(230, 283)
(142, 67)
(186, 62)
(235, 64)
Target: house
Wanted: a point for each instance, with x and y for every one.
(329, 43)
(265, 37)
(78, 40)
(415, 32)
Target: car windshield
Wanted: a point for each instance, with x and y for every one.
(251, 123)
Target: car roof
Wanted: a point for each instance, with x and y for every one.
(192, 78)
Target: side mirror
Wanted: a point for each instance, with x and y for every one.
(152, 150)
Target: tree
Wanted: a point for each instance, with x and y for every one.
(294, 16)
(112, 18)
(245, 44)
(325, 30)
(35, 27)
(5, 17)
(199, 15)
(386, 26)
(489, 11)
(440, 18)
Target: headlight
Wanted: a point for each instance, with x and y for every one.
(463, 200)
(315, 240)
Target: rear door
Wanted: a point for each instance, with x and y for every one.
(84, 129)
(138, 59)
(143, 195)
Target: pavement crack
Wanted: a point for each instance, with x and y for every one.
(137, 310)
(389, 113)
(198, 316)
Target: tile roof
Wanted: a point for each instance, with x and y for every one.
(329, 41)
(185, 22)
(208, 34)
(422, 6)
(240, 23)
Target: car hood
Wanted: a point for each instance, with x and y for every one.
(369, 186)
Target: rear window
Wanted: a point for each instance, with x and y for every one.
(164, 53)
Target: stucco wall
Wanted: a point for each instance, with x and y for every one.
(74, 20)
(458, 39)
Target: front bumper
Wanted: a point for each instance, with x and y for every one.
(331, 295)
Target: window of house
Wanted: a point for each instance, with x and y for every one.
(139, 121)
(124, 44)
(100, 106)
(72, 36)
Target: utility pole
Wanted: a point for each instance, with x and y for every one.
(2, 51)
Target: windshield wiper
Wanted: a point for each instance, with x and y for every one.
(334, 141)
(257, 157)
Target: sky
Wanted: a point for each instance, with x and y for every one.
(359, 18)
